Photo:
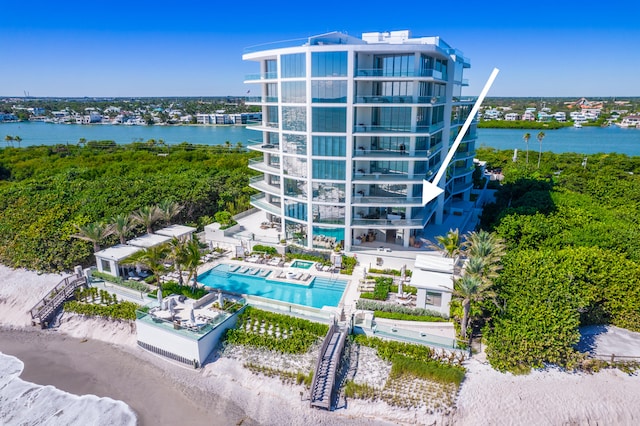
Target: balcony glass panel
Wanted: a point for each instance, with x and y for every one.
(329, 91)
(329, 169)
(329, 214)
(327, 238)
(328, 192)
(295, 188)
(330, 146)
(294, 144)
(293, 65)
(295, 209)
(329, 119)
(294, 118)
(294, 92)
(295, 166)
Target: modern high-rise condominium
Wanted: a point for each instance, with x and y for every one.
(350, 129)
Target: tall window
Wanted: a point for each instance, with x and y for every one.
(294, 166)
(329, 120)
(329, 64)
(330, 146)
(271, 68)
(294, 92)
(329, 169)
(293, 65)
(294, 144)
(393, 118)
(329, 91)
(394, 65)
(294, 118)
(295, 210)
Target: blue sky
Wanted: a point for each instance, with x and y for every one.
(194, 48)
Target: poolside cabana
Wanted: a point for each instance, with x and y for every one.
(433, 277)
(181, 232)
(108, 260)
(149, 240)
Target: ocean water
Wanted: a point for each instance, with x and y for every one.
(24, 403)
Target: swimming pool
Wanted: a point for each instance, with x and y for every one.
(321, 292)
(302, 264)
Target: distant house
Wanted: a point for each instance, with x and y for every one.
(630, 121)
(529, 116)
(512, 116)
(560, 116)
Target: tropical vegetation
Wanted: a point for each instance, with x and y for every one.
(49, 194)
(570, 234)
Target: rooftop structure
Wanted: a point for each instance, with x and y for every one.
(149, 240)
(433, 277)
(177, 231)
(350, 129)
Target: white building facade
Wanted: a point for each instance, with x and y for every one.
(350, 128)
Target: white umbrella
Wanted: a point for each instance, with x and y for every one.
(400, 289)
(171, 311)
(159, 296)
(192, 316)
(220, 299)
(403, 272)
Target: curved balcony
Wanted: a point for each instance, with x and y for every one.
(460, 188)
(263, 126)
(260, 201)
(260, 100)
(260, 146)
(254, 78)
(259, 183)
(457, 172)
(385, 73)
(259, 165)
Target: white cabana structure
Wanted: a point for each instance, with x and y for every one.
(433, 277)
(181, 232)
(108, 260)
(149, 240)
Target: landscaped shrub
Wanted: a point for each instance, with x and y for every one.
(265, 249)
(399, 312)
(173, 287)
(276, 332)
(136, 285)
(382, 287)
(120, 310)
(394, 272)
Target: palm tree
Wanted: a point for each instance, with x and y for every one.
(470, 288)
(121, 225)
(540, 136)
(526, 138)
(94, 233)
(82, 142)
(193, 259)
(8, 139)
(484, 245)
(146, 216)
(448, 244)
(151, 258)
(168, 210)
(178, 256)
(17, 139)
(227, 144)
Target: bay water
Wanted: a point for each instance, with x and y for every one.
(585, 140)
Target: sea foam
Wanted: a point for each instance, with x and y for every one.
(24, 403)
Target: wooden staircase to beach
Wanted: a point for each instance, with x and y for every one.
(324, 379)
(45, 310)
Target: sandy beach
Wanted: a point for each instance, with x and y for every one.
(101, 358)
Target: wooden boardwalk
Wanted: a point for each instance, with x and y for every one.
(324, 379)
(44, 311)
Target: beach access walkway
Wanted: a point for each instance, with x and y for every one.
(44, 311)
(323, 385)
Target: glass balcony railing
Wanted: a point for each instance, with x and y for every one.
(259, 165)
(261, 76)
(261, 99)
(461, 187)
(261, 184)
(430, 129)
(368, 128)
(380, 72)
(382, 201)
(263, 125)
(392, 177)
(258, 145)
(384, 99)
(461, 171)
(432, 99)
(432, 73)
(260, 201)
(396, 223)
(465, 81)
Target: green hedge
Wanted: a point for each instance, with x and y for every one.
(136, 285)
(120, 310)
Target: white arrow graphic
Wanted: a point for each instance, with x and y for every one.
(431, 190)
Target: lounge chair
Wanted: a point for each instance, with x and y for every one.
(243, 270)
(305, 277)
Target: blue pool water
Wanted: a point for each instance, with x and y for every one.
(302, 264)
(321, 292)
